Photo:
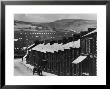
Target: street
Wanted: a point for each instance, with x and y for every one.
(20, 69)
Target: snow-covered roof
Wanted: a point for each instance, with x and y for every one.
(55, 47)
(79, 59)
(90, 33)
(15, 39)
(30, 46)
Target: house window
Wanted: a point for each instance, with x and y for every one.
(83, 46)
(88, 45)
(91, 45)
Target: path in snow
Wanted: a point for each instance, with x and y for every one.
(21, 70)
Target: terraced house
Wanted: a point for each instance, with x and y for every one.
(72, 56)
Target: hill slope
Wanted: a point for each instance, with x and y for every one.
(76, 25)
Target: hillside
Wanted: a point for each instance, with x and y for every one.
(72, 25)
(76, 25)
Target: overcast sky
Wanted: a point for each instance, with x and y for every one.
(52, 17)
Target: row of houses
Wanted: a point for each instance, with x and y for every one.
(25, 25)
(79, 61)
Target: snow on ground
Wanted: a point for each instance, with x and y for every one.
(23, 69)
(20, 69)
